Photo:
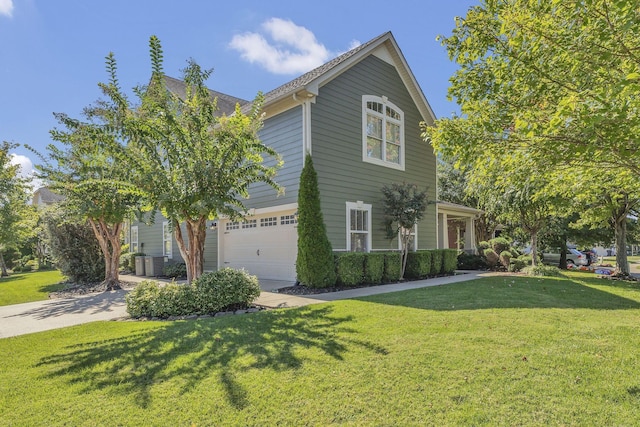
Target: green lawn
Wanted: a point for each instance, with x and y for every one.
(496, 351)
(27, 287)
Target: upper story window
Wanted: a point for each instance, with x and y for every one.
(382, 132)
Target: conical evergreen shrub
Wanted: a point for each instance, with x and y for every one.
(314, 266)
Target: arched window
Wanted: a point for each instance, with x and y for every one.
(382, 132)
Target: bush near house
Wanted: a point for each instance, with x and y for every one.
(225, 289)
(175, 271)
(350, 268)
(418, 265)
(374, 268)
(392, 267)
(471, 262)
(356, 268)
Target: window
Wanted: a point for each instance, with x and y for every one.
(252, 223)
(269, 222)
(358, 227)
(133, 239)
(382, 132)
(167, 249)
(288, 219)
(232, 225)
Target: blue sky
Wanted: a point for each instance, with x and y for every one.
(52, 52)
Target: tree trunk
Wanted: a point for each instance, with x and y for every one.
(192, 251)
(563, 255)
(534, 247)
(622, 263)
(3, 266)
(109, 241)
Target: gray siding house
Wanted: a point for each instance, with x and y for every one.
(358, 116)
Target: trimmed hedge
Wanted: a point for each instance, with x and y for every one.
(350, 268)
(175, 271)
(437, 261)
(373, 268)
(210, 293)
(418, 265)
(450, 261)
(392, 267)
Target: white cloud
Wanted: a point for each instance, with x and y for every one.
(292, 48)
(26, 168)
(6, 7)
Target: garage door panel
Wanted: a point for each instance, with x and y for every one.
(267, 250)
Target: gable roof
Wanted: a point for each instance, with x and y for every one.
(226, 103)
(310, 82)
(46, 197)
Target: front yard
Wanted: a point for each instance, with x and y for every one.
(495, 351)
(27, 287)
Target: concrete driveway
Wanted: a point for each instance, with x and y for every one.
(41, 316)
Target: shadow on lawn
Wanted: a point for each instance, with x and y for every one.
(515, 292)
(186, 353)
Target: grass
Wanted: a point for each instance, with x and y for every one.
(27, 287)
(495, 351)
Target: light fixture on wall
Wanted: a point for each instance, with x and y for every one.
(214, 225)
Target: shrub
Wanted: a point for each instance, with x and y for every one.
(483, 245)
(418, 264)
(471, 262)
(74, 247)
(541, 270)
(517, 264)
(175, 271)
(505, 258)
(350, 268)
(492, 257)
(373, 268)
(499, 244)
(141, 300)
(450, 261)
(437, 258)
(210, 293)
(225, 289)
(392, 267)
(315, 265)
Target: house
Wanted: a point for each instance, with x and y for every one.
(45, 197)
(359, 117)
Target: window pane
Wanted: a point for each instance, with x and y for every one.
(374, 126)
(393, 153)
(393, 113)
(393, 133)
(358, 242)
(374, 148)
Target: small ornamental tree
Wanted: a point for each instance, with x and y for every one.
(404, 205)
(314, 265)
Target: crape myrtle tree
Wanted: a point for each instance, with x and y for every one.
(14, 212)
(404, 206)
(89, 172)
(557, 79)
(314, 264)
(191, 163)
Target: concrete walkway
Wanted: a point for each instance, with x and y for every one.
(40, 316)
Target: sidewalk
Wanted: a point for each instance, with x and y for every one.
(40, 316)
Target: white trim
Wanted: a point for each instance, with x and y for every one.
(362, 207)
(385, 120)
(165, 253)
(131, 241)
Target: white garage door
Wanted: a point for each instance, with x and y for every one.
(265, 245)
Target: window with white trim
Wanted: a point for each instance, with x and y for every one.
(271, 221)
(358, 227)
(133, 239)
(382, 132)
(167, 240)
(250, 223)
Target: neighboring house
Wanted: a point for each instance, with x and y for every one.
(359, 117)
(45, 197)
